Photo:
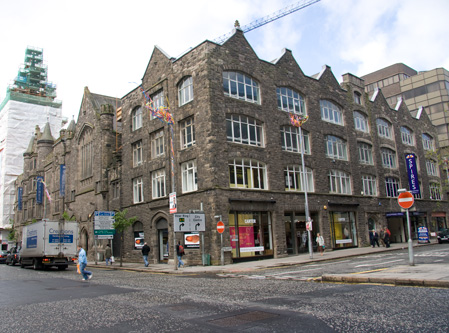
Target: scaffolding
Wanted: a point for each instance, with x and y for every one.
(30, 84)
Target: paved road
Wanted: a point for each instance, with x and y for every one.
(129, 301)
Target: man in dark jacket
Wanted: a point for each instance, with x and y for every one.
(145, 251)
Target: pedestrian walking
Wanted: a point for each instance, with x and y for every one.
(145, 252)
(382, 237)
(180, 253)
(82, 261)
(387, 236)
(375, 239)
(320, 242)
(108, 255)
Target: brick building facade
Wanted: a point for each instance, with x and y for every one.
(237, 157)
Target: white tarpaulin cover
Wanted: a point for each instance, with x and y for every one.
(18, 121)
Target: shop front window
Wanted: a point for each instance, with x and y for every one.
(343, 229)
(296, 233)
(251, 234)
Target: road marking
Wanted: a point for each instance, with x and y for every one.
(373, 270)
(305, 270)
(381, 263)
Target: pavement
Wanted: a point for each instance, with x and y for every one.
(424, 275)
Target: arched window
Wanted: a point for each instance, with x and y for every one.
(384, 128)
(244, 130)
(246, 173)
(407, 136)
(290, 101)
(86, 155)
(336, 148)
(185, 90)
(238, 85)
(427, 142)
(331, 112)
(294, 180)
(360, 122)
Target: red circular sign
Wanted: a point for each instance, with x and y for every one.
(406, 200)
(220, 227)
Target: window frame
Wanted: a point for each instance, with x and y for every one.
(389, 158)
(407, 136)
(189, 176)
(136, 118)
(246, 88)
(432, 168)
(137, 150)
(365, 151)
(291, 101)
(293, 176)
(187, 129)
(339, 182)
(435, 191)
(185, 90)
(336, 148)
(246, 169)
(290, 140)
(138, 190)
(391, 187)
(157, 143)
(369, 183)
(158, 101)
(238, 125)
(428, 142)
(384, 128)
(158, 181)
(361, 122)
(331, 112)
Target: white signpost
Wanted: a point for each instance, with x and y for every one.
(189, 222)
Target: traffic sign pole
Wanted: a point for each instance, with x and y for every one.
(406, 200)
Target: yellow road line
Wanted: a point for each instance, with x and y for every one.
(374, 270)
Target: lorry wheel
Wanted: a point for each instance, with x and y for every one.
(35, 265)
(61, 268)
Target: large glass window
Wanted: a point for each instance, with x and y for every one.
(369, 185)
(189, 176)
(407, 136)
(365, 153)
(427, 142)
(384, 128)
(336, 148)
(185, 91)
(187, 128)
(343, 228)
(136, 116)
(87, 153)
(357, 98)
(245, 130)
(391, 187)
(290, 139)
(388, 158)
(360, 122)
(290, 101)
(238, 85)
(339, 182)
(331, 112)
(157, 144)
(137, 153)
(246, 173)
(137, 190)
(250, 234)
(294, 179)
(158, 181)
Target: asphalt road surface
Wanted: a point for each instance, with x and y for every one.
(125, 301)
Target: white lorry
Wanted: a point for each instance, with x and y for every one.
(49, 243)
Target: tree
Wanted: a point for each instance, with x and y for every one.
(66, 217)
(121, 224)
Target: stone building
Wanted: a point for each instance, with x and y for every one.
(237, 158)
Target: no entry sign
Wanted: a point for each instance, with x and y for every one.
(220, 227)
(406, 200)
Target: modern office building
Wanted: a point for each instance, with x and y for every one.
(29, 102)
(427, 90)
(213, 127)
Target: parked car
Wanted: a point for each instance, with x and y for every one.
(443, 236)
(13, 256)
(3, 255)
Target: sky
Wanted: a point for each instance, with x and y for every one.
(106, 45)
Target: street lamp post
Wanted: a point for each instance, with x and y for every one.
(297, 121)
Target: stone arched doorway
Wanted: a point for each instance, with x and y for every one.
(84, 239)
(162, 240)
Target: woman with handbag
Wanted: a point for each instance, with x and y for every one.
(320, 242)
